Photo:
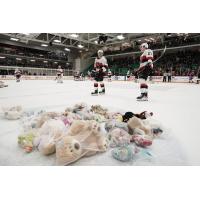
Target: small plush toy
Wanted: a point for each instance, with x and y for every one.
(25, 141)
(118, 137)
(142, 115)
(110, 124)
(12, 113)
(141, 140)
(135, 123)
(99, 118)
(99, 110)
(83, 139)
(2, 84)
(117, 116)
(50, 132)
(124, 154)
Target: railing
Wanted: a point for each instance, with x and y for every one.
(9, 70)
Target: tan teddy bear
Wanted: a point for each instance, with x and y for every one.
(83, 139)
(137, 126)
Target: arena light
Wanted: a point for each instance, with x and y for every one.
(18, 59)
(80, 46)
(32, 60)
(44, 45)
(45, 61)
(26, 33)
(2, 57)
(14, 39)
(120, 37)
(96, 42)
(56, 62)
(151, 38)
(66, 49)
(57, 41)
(74, 35)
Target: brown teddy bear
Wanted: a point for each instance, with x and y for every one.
(84, 138)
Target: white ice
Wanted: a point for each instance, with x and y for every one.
(175, 105)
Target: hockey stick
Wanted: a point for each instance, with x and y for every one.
(160, 55)
(164, 50)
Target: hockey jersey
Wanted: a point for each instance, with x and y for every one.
(101, 63)
(146, 57)
(109, 73)
(59, 71)
(17, 72)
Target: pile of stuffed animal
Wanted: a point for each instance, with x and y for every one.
(2, 84)
(84, 130)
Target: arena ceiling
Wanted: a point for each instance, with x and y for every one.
(81, 42)
(86, 41)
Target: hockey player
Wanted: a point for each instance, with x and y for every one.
(18, 74)
(109, 75)
(128, 75)
(59, 74)
(145, 69)
(100, 66)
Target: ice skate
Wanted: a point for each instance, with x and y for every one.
(102, 92)
(142, 97)
(95, 93)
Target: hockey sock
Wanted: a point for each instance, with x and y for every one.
(96, 87)
(102, 87)
(144, 89)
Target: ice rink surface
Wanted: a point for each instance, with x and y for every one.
(175, 105)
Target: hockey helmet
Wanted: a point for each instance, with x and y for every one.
(144, 46)
(100, 53)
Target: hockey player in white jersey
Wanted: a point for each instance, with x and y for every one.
(145, 69)
(59, 75)
(100, 67)
(109, 75)
(18, 74)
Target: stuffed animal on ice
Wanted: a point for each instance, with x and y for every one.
(98, 109)
(118, 137)
(12, 113)
(111, 124)
(41, 119)
(141, 132)
(142, 115)
(25, 141)
(79, 110)
(83, 138)
(2, 84)
(137, 125)
(50, 132)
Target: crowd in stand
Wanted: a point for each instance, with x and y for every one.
(27, 57)
(179, 63)
(169, 42)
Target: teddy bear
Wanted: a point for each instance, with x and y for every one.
(83, 138)
(41, 119)
(100, 110)
(111, 124)
(136, 125)
(12, 113)
(118, 137)
(141, 132)
(2, 84)
(50, 132)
